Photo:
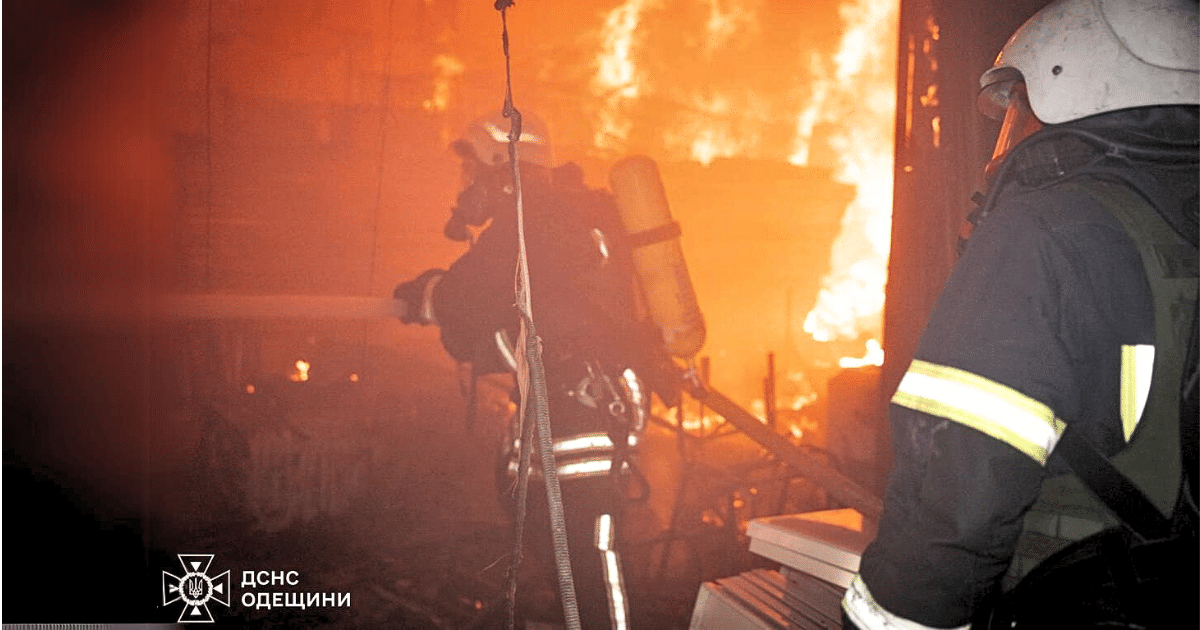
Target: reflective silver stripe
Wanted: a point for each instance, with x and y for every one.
(601, 242)
(591, 441)
(982, 404)
(1137, 366)
(637, 399)
(636, 396)
(604, 532)
(501, 135)
(582, 443)
(507, 349)
(587, 468)
(576, 469)
(618, 603)
(861, 608)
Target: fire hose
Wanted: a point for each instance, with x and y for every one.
(249, 307)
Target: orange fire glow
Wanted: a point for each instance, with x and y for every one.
(846, 518)
(447, 68)
(616, 80)
(851, 93)
(740, 82)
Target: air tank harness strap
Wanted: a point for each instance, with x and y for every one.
(596, 391)
(1117, 492)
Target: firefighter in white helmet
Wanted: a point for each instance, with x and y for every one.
(593, 351)
(1041, 477)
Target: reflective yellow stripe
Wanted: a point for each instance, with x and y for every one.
(982, 404)
(501, 135)
(1137, 366)
(860, 607)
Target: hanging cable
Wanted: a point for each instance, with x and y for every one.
(384, 98)
(531, 382)
(384, 102)
(208, 163)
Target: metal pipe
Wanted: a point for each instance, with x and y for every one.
(840, 487)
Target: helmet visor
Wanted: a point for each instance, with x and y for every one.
(1019, 121)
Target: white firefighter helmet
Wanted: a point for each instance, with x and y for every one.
(1084, 57)
(486, 139)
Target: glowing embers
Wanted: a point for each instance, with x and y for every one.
(300, 375)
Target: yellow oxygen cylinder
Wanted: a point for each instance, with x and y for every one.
(657, 255)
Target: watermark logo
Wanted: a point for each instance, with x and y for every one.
(195, 588)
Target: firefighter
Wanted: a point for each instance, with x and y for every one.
(581, 286)
(1042, 331)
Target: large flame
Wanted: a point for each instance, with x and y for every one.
(714, 117)
(857, 97)
(713, 129)
(688, 81)
(725, 19)
(616, 80)
(851, 95)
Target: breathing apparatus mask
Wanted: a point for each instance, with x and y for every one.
(483, 188)
(486, 172)
(1017, 123)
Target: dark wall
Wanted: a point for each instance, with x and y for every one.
(942, 144)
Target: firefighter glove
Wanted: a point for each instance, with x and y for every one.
(417, 295)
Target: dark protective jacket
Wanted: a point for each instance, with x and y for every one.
(580, 276)
(593, 349)
(1025, 339)
(596, 352)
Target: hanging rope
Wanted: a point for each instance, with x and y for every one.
(531, 382)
